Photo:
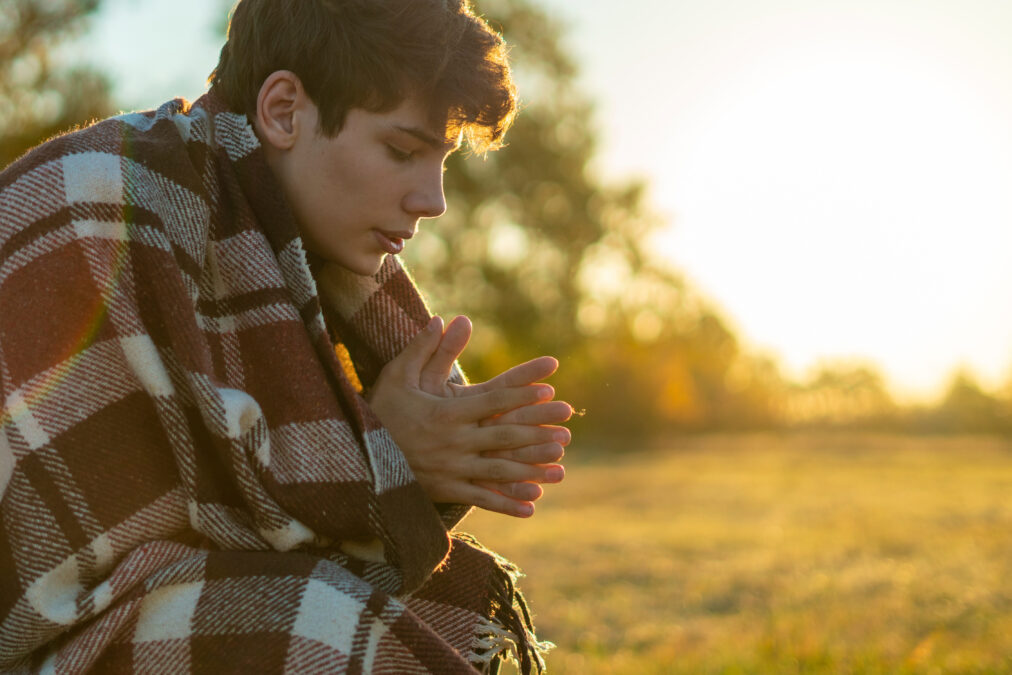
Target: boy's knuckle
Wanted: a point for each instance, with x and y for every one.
(497, 471)
(504, 437)
(497, 399)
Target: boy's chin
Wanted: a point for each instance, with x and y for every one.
(365, 267)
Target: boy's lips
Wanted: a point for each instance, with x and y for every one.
(392, 242)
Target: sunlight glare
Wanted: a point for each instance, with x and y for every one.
(856, 201)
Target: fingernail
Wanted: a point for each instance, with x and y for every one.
(433, 324)
(562, 436)
(555, 473)
(545, 393)
(526, 510)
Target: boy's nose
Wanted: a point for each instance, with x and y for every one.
(427, 200)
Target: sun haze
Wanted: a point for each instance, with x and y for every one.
(836, 173)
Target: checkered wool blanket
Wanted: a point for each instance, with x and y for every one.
(190, 479)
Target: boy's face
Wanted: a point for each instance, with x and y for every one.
(358, 195)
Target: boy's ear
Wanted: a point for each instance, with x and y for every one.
(281, 95)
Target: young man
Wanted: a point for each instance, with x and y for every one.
(232, 438)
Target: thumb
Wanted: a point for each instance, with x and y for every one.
(436, 371)
(417, 353)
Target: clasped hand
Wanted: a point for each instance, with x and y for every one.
(490, 444)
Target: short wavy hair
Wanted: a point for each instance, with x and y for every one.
(373, 54)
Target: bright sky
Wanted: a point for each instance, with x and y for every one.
(836, 172)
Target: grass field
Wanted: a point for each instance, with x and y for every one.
(773, 554)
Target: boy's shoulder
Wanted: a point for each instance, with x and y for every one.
(155, 169)
(156, 165)
(148, 137)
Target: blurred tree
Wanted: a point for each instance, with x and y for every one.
(756, 394)
(692, 380)
(966, 408)
(40, 97)
(843, 395)
(1004, 395)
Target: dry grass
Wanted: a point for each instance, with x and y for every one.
(774, 554)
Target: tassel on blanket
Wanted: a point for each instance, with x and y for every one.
(509, 634)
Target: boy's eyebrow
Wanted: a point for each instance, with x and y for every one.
(429, 139)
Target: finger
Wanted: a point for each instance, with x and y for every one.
(513, 436)
(506, 471)
(417, 353)
(525, 492)
(498, 401)
(554, 412)
(517, 376)
(485, 496)
(436, 371)
(531, 454)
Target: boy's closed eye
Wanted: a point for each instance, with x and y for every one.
(399, 154)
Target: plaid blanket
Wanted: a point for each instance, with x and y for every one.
(190, 479)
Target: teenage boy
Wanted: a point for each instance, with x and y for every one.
(233, 439)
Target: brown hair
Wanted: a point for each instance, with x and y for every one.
(373, 54)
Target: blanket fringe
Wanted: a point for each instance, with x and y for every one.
(508, 634)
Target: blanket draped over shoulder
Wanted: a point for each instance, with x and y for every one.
(190, 479)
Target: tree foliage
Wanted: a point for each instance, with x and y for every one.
(843, 394)
(966, 408)
(39, 95)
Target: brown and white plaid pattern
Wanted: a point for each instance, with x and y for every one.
(189, 480)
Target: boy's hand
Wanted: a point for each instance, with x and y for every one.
(481, 444)
(435, 380)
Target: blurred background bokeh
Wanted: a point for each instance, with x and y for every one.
(769, 243)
